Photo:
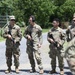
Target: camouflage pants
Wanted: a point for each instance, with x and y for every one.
(54, 52)
(70, 55)
(31, 53)
(15, 52)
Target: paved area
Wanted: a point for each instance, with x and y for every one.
(24, 62)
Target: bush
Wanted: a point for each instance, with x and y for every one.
(64, 25)
(21, 24)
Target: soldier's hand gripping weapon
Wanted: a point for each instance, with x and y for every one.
(56, 44)
(9, 32)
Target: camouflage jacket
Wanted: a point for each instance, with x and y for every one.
(15, 32)
(36, 34)
(70, 33)
(57, 34)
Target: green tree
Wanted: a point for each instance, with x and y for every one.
(42, 9)
(67, 10)
(6, 6)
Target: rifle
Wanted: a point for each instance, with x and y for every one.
(55, 42)
(31, 41)
(9, 32)
(69, 35)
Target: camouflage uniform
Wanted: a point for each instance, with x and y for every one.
(12, 49)
(70, 51)
(59, 37)
(32, 45)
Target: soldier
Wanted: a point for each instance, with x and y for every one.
(33, 34)
(13, 36)
(70, 51)
(56, 39)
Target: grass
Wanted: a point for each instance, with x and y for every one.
(1, 39)
(23, 28)
(45, 30)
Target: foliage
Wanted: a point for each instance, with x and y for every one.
(21, 24)
(44, 10)
(5, 7)
(67, 10)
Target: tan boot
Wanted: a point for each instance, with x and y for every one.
(8, 70)
(41, 71)
(61, 72)
(17, 70)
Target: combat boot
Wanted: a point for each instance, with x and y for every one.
(41, 71)
(8, 70)
(16, 70)
(32, 70)
(61, 72)
(52, 71)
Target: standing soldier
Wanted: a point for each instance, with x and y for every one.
(33, 34)
(56, 39)
(70, 51)
(13, 36)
